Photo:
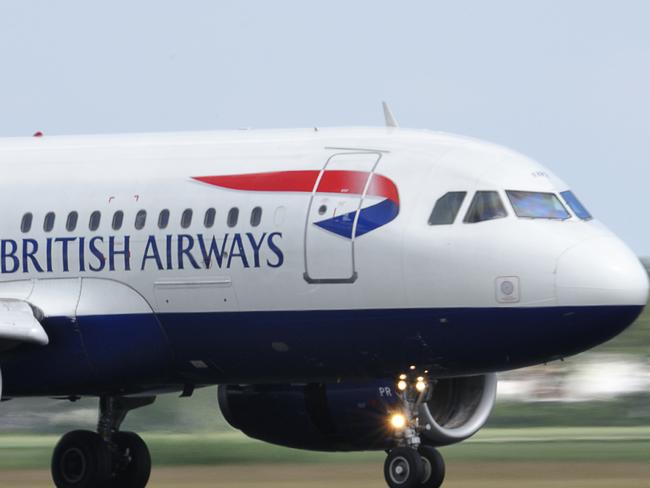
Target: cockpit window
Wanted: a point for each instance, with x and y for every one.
(537, 205)
(575, 205)
(446, 208)
(486, 205)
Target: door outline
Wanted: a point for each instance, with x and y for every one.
(362, 197)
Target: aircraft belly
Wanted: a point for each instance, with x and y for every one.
(301, 346)
(311, 345)
(60, 368)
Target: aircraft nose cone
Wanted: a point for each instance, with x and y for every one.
(601, 271)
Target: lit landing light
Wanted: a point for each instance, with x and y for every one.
(420, 386)
(401, 386)
(398, 421)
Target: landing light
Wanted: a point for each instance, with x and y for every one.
(420, 386)
(398, 421)
(401, 386)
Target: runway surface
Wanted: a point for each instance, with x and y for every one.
(460, 475)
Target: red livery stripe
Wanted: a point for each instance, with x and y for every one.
(334, 181)
(275, 181)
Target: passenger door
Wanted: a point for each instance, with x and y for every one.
(332, 217)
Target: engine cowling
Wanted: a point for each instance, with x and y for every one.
(352, 416)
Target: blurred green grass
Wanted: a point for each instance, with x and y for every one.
(490, 445)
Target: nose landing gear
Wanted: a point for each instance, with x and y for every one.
(107, 458)
(411, 464)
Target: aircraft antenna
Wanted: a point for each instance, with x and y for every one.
(391, 121)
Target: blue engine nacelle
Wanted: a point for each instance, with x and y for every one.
(353, 416)
(343, 417)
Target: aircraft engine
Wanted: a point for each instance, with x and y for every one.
(354, 417)
(458, 408)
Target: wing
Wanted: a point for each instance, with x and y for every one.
(18, 323)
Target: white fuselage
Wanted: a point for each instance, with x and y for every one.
(275, 258)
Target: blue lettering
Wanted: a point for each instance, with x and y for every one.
(91, 252)
(48, 254)
(276, 250)
(97, 253)
(64, 250)
(236, 241)
(170, 264)
(214, 250)
(184, 250)
(82, 254)
(112, 252)
(256, 247)
(151, 252)
(9, 255)
(29, 255)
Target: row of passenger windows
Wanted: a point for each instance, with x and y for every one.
(117, 219)
(487, 205)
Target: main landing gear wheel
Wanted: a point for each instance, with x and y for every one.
(107, 459)
(81, 460)
(403, 468)
(133, 463)
(433, 467)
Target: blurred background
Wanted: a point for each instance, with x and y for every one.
(565, 82)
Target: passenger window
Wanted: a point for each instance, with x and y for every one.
(48, 223)
(163, 219)
(95, 219)
(575, 205)
(26, 223)
(118, 219)
(71, 222)
(256, 216)
(536, 205)
(446, 208)
(486, 205)
(186, 218)
(140, 219)
(233, 217)
(208, 220)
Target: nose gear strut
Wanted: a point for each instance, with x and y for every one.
(410, 463)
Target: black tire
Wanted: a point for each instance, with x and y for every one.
(81, 459)
(433, 467)
(134, 469)
(403, 468)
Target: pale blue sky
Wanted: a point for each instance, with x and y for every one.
(566, 82)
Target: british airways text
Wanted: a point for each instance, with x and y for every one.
(126, 253)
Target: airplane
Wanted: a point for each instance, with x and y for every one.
(347, 289)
